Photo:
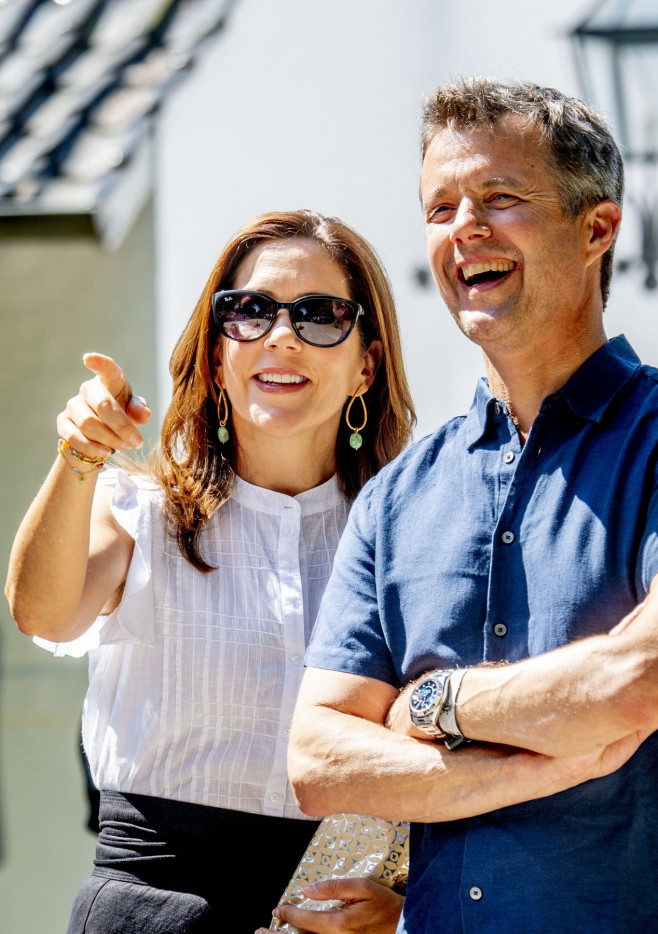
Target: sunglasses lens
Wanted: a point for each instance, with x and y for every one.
(324, 321)
(318, 319)
(244, 316)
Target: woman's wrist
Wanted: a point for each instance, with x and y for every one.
(81, 464)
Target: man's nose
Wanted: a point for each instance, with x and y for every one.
(469, 222)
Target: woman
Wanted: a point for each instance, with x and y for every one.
(194, 586)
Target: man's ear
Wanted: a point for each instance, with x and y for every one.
(602, 222)
(371, 360)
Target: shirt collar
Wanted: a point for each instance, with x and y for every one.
(588, 392)
(595, 384)
(318, 499)
(485, 407)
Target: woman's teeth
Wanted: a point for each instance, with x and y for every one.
(280, 378)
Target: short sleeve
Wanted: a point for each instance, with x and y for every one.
(348, 634)
(136, 505)
(647, 567)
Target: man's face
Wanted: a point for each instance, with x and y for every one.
(506, 261)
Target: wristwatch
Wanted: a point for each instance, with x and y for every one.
(432, 706)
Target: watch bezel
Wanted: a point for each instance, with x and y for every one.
(424, 714)
(435, 688)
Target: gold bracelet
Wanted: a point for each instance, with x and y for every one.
(78, 454)
(98, 462)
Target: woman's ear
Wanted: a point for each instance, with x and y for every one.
(371, 359)
(216, 363)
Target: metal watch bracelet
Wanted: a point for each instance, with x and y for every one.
(447, 719)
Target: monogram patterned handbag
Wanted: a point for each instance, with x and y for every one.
(348, 845)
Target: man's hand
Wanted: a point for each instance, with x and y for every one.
(398, 718)
(367, 907)
(576, 769)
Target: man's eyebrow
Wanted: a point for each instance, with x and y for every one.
(432, 195)
(507, 181)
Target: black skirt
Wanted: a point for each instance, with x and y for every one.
(167, 867)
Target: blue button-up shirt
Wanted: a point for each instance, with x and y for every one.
(470, 547)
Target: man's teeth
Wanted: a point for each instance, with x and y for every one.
(280, 378)
(476, 269)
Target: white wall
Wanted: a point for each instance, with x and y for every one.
(315, 104)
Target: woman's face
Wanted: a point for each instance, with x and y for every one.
(278, 385)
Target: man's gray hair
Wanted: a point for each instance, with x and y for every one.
(582, 156)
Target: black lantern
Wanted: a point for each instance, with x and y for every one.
(617, 59)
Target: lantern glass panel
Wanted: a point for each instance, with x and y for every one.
(639, 68)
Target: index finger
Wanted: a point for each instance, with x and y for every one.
(346, 889)
(111, 376)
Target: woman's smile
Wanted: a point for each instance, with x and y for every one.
(280, 380)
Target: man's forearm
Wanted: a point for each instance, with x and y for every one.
(573, 700)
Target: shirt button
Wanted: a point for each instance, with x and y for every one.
(286, 733)
(500, 629)
(275, 797)
(509, 457)
(498, 408)
(296, 659)
(476, 893)
(508, 537)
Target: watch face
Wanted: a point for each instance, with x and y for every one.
(425, 696)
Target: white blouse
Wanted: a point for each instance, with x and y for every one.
(193, 678)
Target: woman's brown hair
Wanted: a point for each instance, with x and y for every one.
(195, 471)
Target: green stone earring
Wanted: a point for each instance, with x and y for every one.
(222, 431)
(355, 438)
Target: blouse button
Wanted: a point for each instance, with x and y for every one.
(500, 629)
(475, 893)
(509, 457)
(508, 537)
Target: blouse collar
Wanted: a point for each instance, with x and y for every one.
(318, 499)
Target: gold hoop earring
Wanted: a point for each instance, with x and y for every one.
(355, 438)
(222, 402)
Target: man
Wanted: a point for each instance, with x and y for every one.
(516, 547)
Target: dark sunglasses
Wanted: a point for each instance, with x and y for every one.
(319, 320)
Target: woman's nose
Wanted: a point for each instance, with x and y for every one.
(282, 333)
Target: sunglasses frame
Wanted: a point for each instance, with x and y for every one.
(286, 306)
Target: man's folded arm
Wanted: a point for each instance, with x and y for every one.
(343, 758)
(574, 700)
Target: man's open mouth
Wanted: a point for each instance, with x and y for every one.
(478, 273)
